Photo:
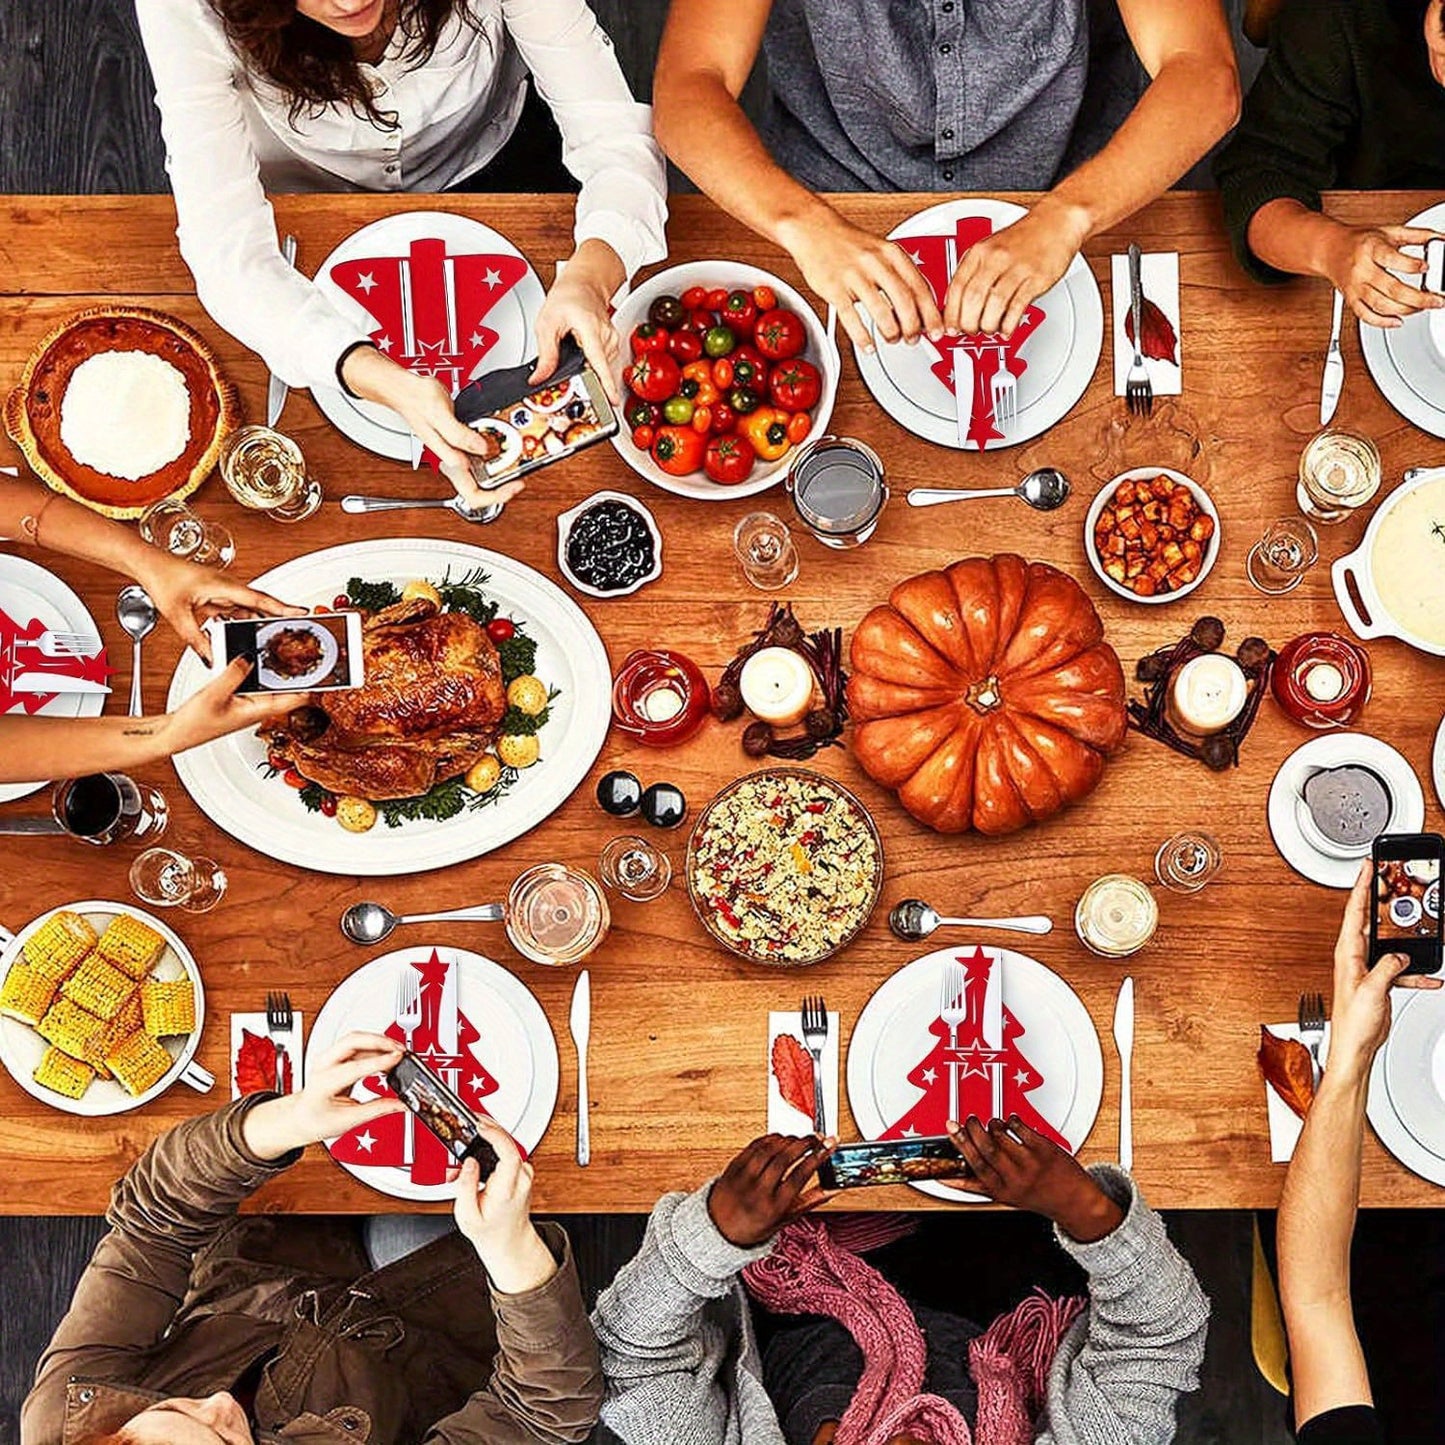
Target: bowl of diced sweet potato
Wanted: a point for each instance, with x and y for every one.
(1152, 535)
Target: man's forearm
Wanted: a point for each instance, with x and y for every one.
(1290, 237)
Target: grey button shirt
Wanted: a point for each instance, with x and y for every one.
(943, 95)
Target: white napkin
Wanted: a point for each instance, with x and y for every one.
(783, 1118)
(1159, 272)
(1285, 1126)
(291, 1042)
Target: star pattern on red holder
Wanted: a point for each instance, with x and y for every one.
(988, 352)
(381, 1143)
(430, 306)
(20, 656)
(975, 1063)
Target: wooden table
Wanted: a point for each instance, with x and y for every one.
(679, 1028)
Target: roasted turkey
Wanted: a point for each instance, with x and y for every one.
(428, 710)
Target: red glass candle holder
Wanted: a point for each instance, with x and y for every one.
(659, 697)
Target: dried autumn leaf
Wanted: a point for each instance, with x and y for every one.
(1288, 1069)
(1160, 342)
(255, 1063)
(793, 1069)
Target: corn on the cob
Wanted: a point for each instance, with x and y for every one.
(26, 994)
(139, 1062)
(131, 945)
(169, 1008)
(98, 988)
(64, 1074)
(69, 1027)
(59, 944)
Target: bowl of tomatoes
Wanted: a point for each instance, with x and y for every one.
(725, 372)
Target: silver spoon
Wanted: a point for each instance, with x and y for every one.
(137, 615)
(482, 515)
(913, 919)
(369, 922)
(1045, 490)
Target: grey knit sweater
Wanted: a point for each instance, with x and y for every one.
(682, 1365)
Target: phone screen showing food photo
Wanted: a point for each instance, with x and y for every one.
(317, 653)
(442, 1112)
(554, 422)
(891, 1161)
(1406, 916)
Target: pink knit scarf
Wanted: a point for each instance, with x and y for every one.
(811, 1270)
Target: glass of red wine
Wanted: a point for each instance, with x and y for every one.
(105, 808)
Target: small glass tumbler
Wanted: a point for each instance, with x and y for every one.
(1338, 474)
(105, 808)
(266, 472)
(555, 914)
(1187, 861)
(764, 547)
(167, 879)
(635, 867)
(1278, 562)
(173, 527)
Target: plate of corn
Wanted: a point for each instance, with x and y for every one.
(101, 1007)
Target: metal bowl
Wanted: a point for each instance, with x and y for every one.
(704, 911)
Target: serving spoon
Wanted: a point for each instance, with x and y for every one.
(136, 613)
(1045, 490)
(913, 919)
(368, 923)
(481, 515)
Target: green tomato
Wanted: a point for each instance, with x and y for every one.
(677, 411)
(719, 340)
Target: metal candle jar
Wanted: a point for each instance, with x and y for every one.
(659, 697)
(1322, 680)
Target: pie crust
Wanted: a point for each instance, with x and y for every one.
(32, 411)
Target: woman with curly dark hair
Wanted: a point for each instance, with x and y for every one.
(396, 95)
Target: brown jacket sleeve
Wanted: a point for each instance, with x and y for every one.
(546, 1385)
(173, 1201)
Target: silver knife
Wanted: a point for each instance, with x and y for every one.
(581, 1026)
(16, 827)
(1334, 378)
(992, 1032)
(55, 682)
(962, 393)
(276, 389)
(447, 1013)
(1124, 1042)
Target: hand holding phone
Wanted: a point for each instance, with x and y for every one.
(442, 1111)
(320, 652)
(1405, 913)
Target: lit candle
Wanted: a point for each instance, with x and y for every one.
(1208, 693)
(777, 686)
(1324, 682)
(661, 704)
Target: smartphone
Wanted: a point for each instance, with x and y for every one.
(525, 427)
(1435, 265)
(892, 1161)
(438, 1107)
(320, 652)
(1406, 914)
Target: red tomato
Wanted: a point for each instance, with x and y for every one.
(701, 419)
(653, 376)
(694, 297)
(739, 312)
(722, 373)
(642, 437)
(717, 298)
(647, 337)
(275, 760)
(684, 346)
(780, 334)
(328, 805)
(799, 425)
(678, 450)
(765, 298)
(700, 321)
(729, 459)
(724, 418)
(749, 369)
(293, 779)
(641, 413)
(501, 629)
(795, 385)
(340, 601)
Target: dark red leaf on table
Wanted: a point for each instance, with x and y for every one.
(793, 1069)
(255, 1063)
(1160, 342)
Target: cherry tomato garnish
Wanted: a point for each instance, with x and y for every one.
(501, 629)
(340, 601)
(293, 779)
(799, 425)
(328, 805)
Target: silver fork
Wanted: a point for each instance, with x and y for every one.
(1005, 397)
(952, 1009)
(814, 1015)
(1138, 389)
(66, 644)
(278, 1026)
(1312, 1026)
(408, 1020)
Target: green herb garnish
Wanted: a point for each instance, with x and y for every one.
(518, 656)
(372, 596)
(445, 801)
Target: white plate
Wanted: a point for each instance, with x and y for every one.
(329, 653)
(21, 1048)
(229, 786)
(1135, 474)
(515, 1047)
(1437, 762)
(378, 428)
(1415, 1070)
(1335, 750)
(892, 1036)
(28, 589)
(1062, 355)
(1404, 361)
(1380, 1109)
(821, 350)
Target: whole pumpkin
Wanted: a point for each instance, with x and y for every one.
(985, 694)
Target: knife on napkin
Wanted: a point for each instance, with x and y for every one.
(1124, 1042)
(581, 1026)
(276, 390)
(447, 1014)
(992, 1031)
(1334, 377)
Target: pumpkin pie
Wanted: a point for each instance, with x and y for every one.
(121, 406)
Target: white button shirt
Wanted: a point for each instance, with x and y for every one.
(229, 138)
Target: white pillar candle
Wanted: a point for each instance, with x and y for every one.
(777, 686)
(661, 704)
(1324, 682)
(1208, 693)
